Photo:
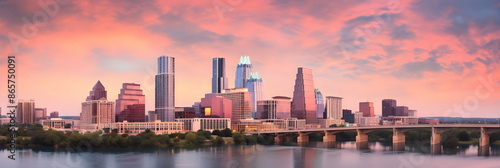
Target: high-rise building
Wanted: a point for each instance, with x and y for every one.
(40, 114)
(304, 101)
(165, 89)
(320, 104)
(216, 106)
(278, 108)
(243, 71)
(388, 107)
(96, 114)
(333, 107)
(54, 114)
(197, 109)
(401, 111)
(241, 102)
(367, 109)
(255, 87)
(25, 112)
(151, 116)
(98, 92)
(219, 79)
(130, 105)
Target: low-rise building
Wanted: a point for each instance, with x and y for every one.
(369, 121)
(157, 127)
(205, 124)
(433, 121)
(326, 123)
(400, 120)
(53, 123)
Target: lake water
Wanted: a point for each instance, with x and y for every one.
(312, 154)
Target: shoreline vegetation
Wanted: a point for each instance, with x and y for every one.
(35, 135)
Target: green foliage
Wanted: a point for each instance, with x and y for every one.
(218, 141)
(239, 138)
(226, 133)
(463, 136)
(346, 136)
(418, 135)
(191, 139)
(316, 136)
(251, 139)
(380, 135)
(206, 134)
(216, 132)
(3, 142)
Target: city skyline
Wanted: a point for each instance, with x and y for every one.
(429, 60)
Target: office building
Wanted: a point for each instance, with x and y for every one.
(320, 104)
(278, 108)
(205, 124)
(304, 101)
(130, 105)
(412, 113)
(255, 87)
(369, 121)
(401, 111)
(400, 120)
(357, 117)
(151, 116)
(219, 79)
(165, 89)
(40, 114)
(25, 112)
(367, 109)
(197, 109)
(96, 114)
(241, 103)
(53, 123)
(388, 107)
(184, 112)
(157, 127)
(216, 106)
(348, 116)
(54, 114)
(333, 108)
(243, 71)
(327, 123)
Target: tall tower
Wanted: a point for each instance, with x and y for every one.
(96, 113)
(219, 80)
(388, 107)
(165, 89)
(333, 107)
(243, 71)
(304, 101)
(320, 104)
(98, 92)
(130, 104)
(255, 86)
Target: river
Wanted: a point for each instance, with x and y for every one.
(312, 154)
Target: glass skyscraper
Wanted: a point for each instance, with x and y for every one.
(165, 89)
(243, 71)
(130, 105)
(219, 79)
(320, 104)
(304, 101)
(255, 86)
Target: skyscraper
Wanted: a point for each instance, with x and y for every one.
(367, 109)
(165, 89)
(304, 101)
(388, 107)
(278, 108)
(243, 71)
(130, 105)
(25, 112)
(255, 87)
(96, 113)
(219, 80)
(333, 107)
(320, 104)
(241, 102)
(215, 106)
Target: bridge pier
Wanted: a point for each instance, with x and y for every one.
(484, 140)
(398, 136)
(362, 135)
(330, 136)
(303, 137)
(280, 138)
(435, 137)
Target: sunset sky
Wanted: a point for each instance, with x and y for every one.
(441, 58)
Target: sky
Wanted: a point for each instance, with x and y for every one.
(440, 58)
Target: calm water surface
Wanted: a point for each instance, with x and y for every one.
(313, 154)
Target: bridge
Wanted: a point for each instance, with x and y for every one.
(398, 132)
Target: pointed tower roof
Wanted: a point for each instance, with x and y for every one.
(98, 86)
(241, 60)
(317, 91)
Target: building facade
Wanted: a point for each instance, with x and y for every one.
(320, 104)
(412, 113)
(304, 101)
(369, 121)
(130, 105)
(205, 124)
(367, 109)
(184, 112)
(216, 106)
(241, 103)
(278, 108)
(243, 71)
(256, 88)
(219, 79)
(388, 107)
(97, 114)
(25, 112)
(157, 127)
(54, 114)
(165, 89)
(151, 116)
(326, 123)
(333, 107)
(53, 123)
(40, 114)
(401, 111)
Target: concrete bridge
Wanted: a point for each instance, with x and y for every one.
(398, 132)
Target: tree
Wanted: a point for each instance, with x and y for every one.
(239, 138)
(216, 132)
(226, 133)
(218, 141)
(464, 136)
(191, 139)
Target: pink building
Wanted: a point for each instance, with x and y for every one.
(130, 105)
(304, 97)
(367, 109)
(54, 114)
(216, 106)
(40, 114)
